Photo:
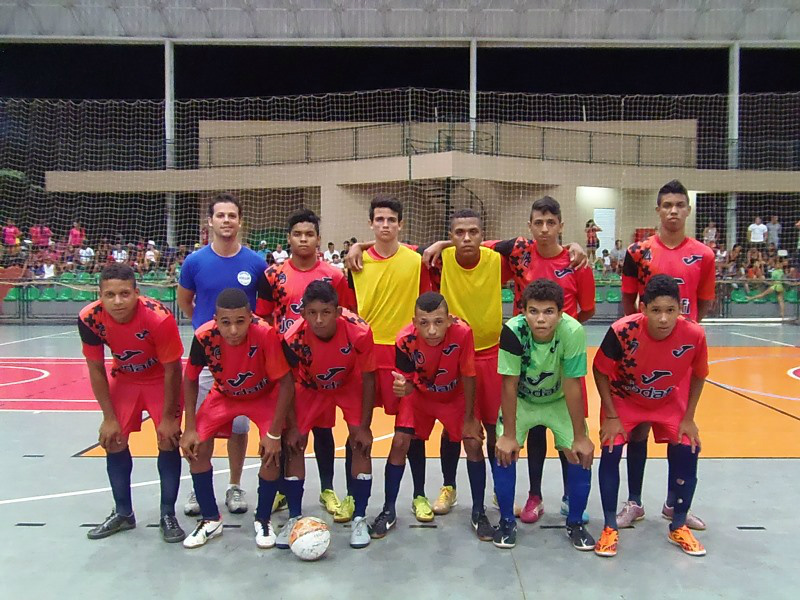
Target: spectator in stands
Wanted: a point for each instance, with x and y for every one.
(71, 259)
(103, 251)
(336, 261)
(151, 257)
(771, 255)
(11, 236)
(721, 256)
(87, 256)
(50, 268)
(592, 242)
(76, 235)
(40, 235)
(345, 248)
(263, 250)
(757, 233)
(606, 263)
(774, 231)
(119, 254)
(280, 255)
(753, 274)
(270, 259)
(328, 255)
(797, 250)
(776, 278)
(617, 256)
(710, 234)
(36, 269)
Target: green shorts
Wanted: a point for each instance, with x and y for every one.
(553, 415)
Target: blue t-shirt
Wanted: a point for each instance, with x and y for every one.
(207, 273)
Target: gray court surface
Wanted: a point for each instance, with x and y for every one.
(49, 495)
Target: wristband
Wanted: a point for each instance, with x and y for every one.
(273, 437)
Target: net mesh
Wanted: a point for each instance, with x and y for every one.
(109, 166)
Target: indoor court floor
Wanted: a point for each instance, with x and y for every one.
(55, 486)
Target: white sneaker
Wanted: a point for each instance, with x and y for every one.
(359, 534)
(234, 500)
(265, 534)
(282, 541)
(204, 531)
(191, 508)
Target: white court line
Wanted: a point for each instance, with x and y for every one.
(38, 337)
(42, 375)
(43, 399)
(753, 337)
(143, 483)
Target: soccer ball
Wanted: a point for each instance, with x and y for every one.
(309, 538)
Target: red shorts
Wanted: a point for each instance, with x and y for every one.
(404, 419)
(215, 416)
(428, 410)
(314, 408)
(488, 385)
(129, 399)
(384, 396)
(664, 419)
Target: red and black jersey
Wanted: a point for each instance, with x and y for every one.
(139, 347)
(245, 371)
(327, 365)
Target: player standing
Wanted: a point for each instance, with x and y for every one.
(639, 368)
(146, 375)
(692, 264)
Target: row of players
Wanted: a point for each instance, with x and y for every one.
(383, 291)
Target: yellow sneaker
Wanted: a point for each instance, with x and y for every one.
(329, 500)
(344, 513)
(421, 507)
(607, 546)
(280, 503)
(517, 508)
(448, 498)
(684, 538)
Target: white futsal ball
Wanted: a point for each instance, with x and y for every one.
(309, 538)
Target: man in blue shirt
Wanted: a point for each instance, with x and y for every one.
(224, 263)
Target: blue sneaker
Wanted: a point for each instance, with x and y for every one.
(565, 509)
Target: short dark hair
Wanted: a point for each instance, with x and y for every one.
(331, 244)
(430, 301)
(672, 187)
(118, 271)
(232, 298)
(466, 213)
(322, 291)
(543, 290)
(304, 216)
(384, 201)
(661, 285)
(353, 240)
(225, 197)
(547, 204)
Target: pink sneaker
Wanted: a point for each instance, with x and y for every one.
(630, 513)
(534, 508)
(692, 520)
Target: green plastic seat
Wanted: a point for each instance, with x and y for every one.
(149, 276)
(738, 296)
(762, 300)
(83, 278)
(614, 295)
(791, 296)
(65, 294)
(47, 295)
(599, 296)
(507, 295)
(12, 295)
(153, 292)
(161, 275)
(168, 294)
(32, 293)
(67, 277)
(83, 296)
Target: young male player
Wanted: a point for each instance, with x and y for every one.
(691, 262)
(639, 368)
(435, 357)
(386, 289)
(542, 360)
(280, 301)
(251, 378)
(205, 273)
(146, 375)
(332, 353)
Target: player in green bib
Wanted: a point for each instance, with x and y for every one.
(542, 358)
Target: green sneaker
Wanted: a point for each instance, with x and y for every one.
(421, 507)
(344, 513)
(329, 500)
(280, 503)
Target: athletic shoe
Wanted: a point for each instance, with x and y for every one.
(692, 520)
(533, 510)
(482, 527)
(171, 531)
(565, 510)
(517, 509)
(448, 498)
(265, 534)
(114, 523)
(345, 511)
(234, 500)
(505, 536)
(684, 538)
(204, 531)
(329, 500)
(282, 541)
(607, 546)
(580, 538)
(359, 534)
(280, 503)
(382, 524)
(192, 507)
(630, 513)
(421, 507)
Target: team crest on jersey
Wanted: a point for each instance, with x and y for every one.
(419, 357)
(282, 278)
(142, 334)
(655, 376)
(252, 352)
(346, 349)
(678, 352)
(561, 273)
(647, 255)
(240, 379)
(450, 349)
(296, 308)
(633, 346)
(690, 260)
(330, 374)
(127, 355)
(541, 377)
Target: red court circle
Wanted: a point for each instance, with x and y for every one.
(7, 378)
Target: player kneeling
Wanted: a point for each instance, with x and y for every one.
(638, 368)
(542, 359)
(145, 375)
(436, 360)
(331, 352)
(251, 378)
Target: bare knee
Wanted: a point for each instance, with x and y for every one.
(473, 449)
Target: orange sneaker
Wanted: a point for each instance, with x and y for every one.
(684, 538)
(607, 546)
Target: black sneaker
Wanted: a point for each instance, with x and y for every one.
(580, 538)
(482, 527)
(114, 523)
(171, 531)
(382, 524)
(505, 536)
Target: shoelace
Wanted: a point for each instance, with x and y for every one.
(236, 494)
(170, 522)
(265, 526)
